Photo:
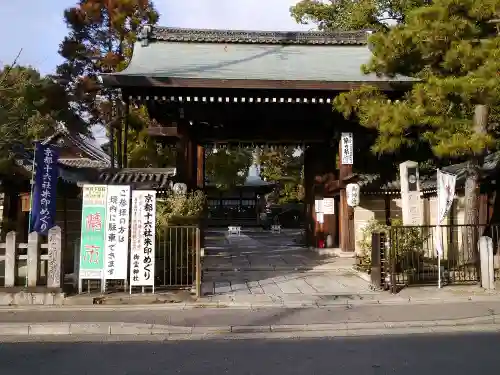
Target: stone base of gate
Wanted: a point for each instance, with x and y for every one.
(31, 296)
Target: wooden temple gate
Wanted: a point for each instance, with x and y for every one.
(215, 87)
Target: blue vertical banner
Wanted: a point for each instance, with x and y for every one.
(43, 203)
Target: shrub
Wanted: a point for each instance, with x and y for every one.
(406, 245)
(190, 205)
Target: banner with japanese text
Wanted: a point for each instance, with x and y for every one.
(43, 207)
(93, 231)
(117, 230)
(142, 238)
(445, 195)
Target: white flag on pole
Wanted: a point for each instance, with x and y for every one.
(445, 195)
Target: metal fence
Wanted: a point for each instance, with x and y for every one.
(411, 256)
(177, 262)
(178, 257)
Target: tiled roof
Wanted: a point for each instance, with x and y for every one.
(169, 54)
(83, 163)
(169, 34)
(428, 183)
(153, 178)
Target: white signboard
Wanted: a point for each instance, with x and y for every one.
(352, 191)
(318, 205)
(117, 229)
(329, 206)
(142, 238)
(320, 217)
(347, 148)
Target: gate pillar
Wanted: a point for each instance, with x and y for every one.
(319, 173)
(309, 214)
(189, 160)
(346, 213)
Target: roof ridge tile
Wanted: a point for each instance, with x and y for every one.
(184, 35)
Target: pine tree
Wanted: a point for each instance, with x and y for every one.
(227, 167)
(101, 39)
(31, 108)
(452, 49)
(350, 15)
(283, 165)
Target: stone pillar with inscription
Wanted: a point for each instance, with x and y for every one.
(54, 273)
(410, 193)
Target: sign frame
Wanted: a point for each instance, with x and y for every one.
(117, 233)
(93, 233)
(142, 247)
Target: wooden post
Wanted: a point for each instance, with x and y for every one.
(200, 167)
(10, 259)
(33, 258)
(346, 213)
(186, 158)
(54, 262)
(309, 214)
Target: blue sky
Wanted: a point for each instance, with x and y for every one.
(38, 29)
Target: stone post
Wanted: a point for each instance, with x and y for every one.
(410, 193)
(10, 259)
(485, 245)
(54, 255)
(33, 258)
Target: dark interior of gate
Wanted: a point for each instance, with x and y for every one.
(207, 87)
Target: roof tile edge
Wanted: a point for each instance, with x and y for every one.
(169, 34)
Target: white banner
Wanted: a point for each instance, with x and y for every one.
(117, 229)
(445, 194)
(142, 238)
(347, 148)
(318, 205)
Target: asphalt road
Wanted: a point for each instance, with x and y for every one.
(457, 354)
(268, 316)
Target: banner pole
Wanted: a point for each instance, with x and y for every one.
(439, 271)
(32, 184)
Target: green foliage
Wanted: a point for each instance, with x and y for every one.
(101, 40)
(452, 48)
(350, 15)
(407, 240)
(365, 243)
(190, 205)
(227, 167)
(283, 165)
(31, 106)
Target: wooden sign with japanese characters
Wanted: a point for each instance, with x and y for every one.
(142, 238)
(117, 232)
(347, 148)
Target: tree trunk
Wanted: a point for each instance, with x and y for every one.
(471, 234)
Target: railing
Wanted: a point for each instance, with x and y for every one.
(31, 264)
(178, 257)
(411, 257)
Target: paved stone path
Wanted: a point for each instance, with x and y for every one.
(262, 266)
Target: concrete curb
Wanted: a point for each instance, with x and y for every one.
(115, 329)
(342, 302)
